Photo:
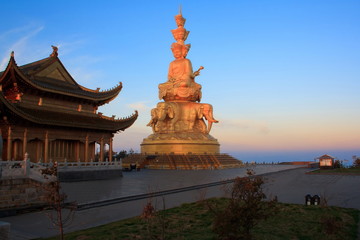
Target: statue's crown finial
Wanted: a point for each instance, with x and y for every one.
(180, 21)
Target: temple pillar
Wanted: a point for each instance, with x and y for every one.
(77, 150)
(25, 142)
(101, 149)
(65, 145)
(63, 150)
(110, 149)
(51, 151)
(86, 154)
(58, 149)
(46, 147)
(15, 150)
(39, 151)
(9, 144)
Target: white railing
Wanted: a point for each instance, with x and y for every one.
(86, 166)
(28, 169)
(22, 169)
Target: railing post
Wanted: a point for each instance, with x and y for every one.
(26, 167)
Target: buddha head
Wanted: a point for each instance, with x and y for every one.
(180, 21)
(180, 50)
(180, 34)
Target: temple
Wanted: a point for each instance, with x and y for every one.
(181, 124)
(47, 116)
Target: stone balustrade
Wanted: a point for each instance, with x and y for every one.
(28, 169)
(22, 169)
(86, 166)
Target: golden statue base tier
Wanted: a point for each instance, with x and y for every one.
(180, 143)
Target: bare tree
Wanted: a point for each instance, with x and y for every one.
(156, 222)
(55, 200)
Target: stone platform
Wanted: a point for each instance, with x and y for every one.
(181, 161)
(180, 143)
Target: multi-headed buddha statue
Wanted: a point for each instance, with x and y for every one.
(181, 85)
(180, 123)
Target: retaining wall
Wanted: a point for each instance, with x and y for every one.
(18, 194)
(88, 175)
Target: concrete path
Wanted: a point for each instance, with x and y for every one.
(292, 186)
(147, 181)
(288, 185)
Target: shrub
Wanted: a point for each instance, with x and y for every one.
(357, 162)
(245, 209)
(338, 164)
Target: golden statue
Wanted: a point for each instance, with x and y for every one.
(181, 83)
(181, 124)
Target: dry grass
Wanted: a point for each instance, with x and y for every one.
(194, 221)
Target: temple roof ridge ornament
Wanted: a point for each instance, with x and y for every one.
(55, 51)
(97, 90)
(121, 119)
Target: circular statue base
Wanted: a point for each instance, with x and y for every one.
(180, 143)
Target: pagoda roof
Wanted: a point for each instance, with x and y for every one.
(325, 156)
(50, 75)
(44, 116)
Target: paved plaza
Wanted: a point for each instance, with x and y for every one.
(289, 183)
(292, 186)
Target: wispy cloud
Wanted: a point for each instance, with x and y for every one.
(259, 126)
(86, 76)
(18, 30)
(66, 47)
(140, 106)
(81, 67)
(20, 43)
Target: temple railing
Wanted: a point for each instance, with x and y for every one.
(28, 169)
(85, 166)
(23, 169)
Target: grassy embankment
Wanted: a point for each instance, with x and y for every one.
(194, 221)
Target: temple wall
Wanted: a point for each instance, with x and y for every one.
(20, 193)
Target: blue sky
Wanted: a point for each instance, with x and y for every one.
(283, 76)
